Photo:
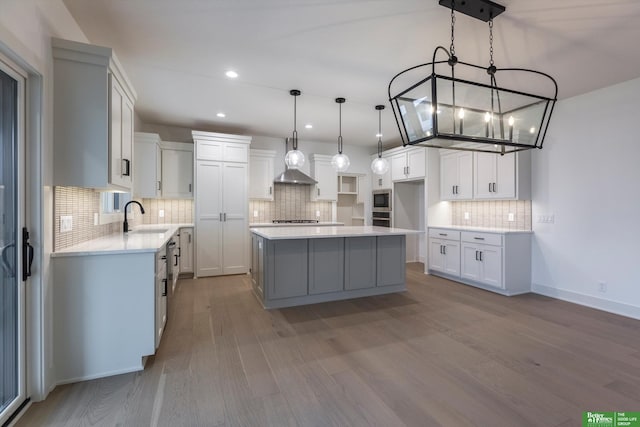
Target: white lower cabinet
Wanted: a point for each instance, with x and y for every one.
(186, 250)
(161, 294)
(496, 261)
(444, 251)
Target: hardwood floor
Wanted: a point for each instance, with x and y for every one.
(441, 353)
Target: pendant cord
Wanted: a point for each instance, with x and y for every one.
(340, 129)
(379, 133)
(295, 132)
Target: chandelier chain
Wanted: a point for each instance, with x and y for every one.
(452, 48)
(491, 42)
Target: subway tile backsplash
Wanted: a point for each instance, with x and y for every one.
(83, 203)
(493, 213)
(291, 201)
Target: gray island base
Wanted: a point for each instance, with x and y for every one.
(306, 265)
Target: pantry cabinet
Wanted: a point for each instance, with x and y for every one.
(261, 174)
(456, 175)
(93, 118)
(221, 204)
(321, 170)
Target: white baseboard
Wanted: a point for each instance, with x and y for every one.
(588, 300)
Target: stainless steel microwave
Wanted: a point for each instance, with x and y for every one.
(382, 200)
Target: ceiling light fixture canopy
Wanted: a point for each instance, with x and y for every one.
(340, 162)
(294, 159)
(459, 109)
(380, 165)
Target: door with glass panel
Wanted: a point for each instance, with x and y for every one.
(13, 244)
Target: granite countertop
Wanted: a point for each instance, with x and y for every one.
(140, 239)
(311, 224)
(286, 233)
(483, 229)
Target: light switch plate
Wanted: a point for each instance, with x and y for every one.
(255, 214)
(466, 215)
(317, 214)
(511, 217)
(161, 213)
(66, 223)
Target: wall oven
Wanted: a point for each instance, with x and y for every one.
(382, 200)
(381, 219)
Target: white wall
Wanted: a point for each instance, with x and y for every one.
(26, 28)
(587, 176)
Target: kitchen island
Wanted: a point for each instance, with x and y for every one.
(305, 265)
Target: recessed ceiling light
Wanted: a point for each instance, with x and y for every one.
(231, 74)
(308, 126)
(221, 115)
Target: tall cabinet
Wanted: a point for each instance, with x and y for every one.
(221, 204)
(92, 118)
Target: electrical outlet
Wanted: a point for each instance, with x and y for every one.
(317, 214)
(161, 213)
(66, 223)
(546, 219)
(466, 215)
(511, 217)
(255, 214)
(602, 287)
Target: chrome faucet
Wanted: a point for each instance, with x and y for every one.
(125, 226)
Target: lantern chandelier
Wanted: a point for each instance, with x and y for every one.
(444, 110)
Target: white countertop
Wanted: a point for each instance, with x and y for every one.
(482, 229)
(286, 233)
(121, 243)
(312, 224)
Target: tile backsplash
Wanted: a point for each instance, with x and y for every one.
(83, 203)
(493, 213)
(290, 201)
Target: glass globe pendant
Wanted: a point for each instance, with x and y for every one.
(294, 159)
(380, 165)
(340, 162)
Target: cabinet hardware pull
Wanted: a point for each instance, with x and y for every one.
(164, 291)
(476, 255)
(440, 248)
(489, 187)
(179, 251)
(189, 237)
(189, 188)
(494, 187)
(270, 190)
(164, 257)
(175, 264)
(220, 216)
(318, 191)
(453, 189)
(480, 255)
(380, 182)
(479, 238)
(224, 217)
(443, 234)
(444, 250)
(159, 186)
(126, 168)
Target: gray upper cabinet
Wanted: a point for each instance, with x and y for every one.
(93, 118)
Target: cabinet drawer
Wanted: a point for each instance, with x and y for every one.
(482, 238)
(442, 233)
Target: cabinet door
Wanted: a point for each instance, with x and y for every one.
(465, 176)
(382, 182)
(209, 219)
(287, 265)
(416, 163)
(115, 138)
(485, 172)
(451, 257)
(146, 169)
(448, 176)
(177, 174)
(261, 176)
(363, 189)
(186, 250)
(326, 265)
(505, 182)
(127, 143)
(436, 257)
(327, 187)
(234, 216)
(491, 260)
(470, 263)
(399, 167)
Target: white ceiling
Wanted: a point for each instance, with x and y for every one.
(176, 53)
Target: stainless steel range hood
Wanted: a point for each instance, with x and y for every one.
(293, 176)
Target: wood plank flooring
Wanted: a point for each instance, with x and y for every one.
(440, 354)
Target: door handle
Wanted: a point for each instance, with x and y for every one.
(224, 217)
(27, 255)
(164, 291)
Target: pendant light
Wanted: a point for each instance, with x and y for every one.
(340, 162)
(380, 165)
(454, 107)
(294, 158)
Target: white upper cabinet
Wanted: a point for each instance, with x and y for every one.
(93, 118)
(261, 174)
(321, 170)
(456, 175)
(221, 147)
(381, 182)
(408, 164)
(147, 167)
(502, 177)
(177, 170)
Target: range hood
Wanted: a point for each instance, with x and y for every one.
(291, 175)
(294, 176)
